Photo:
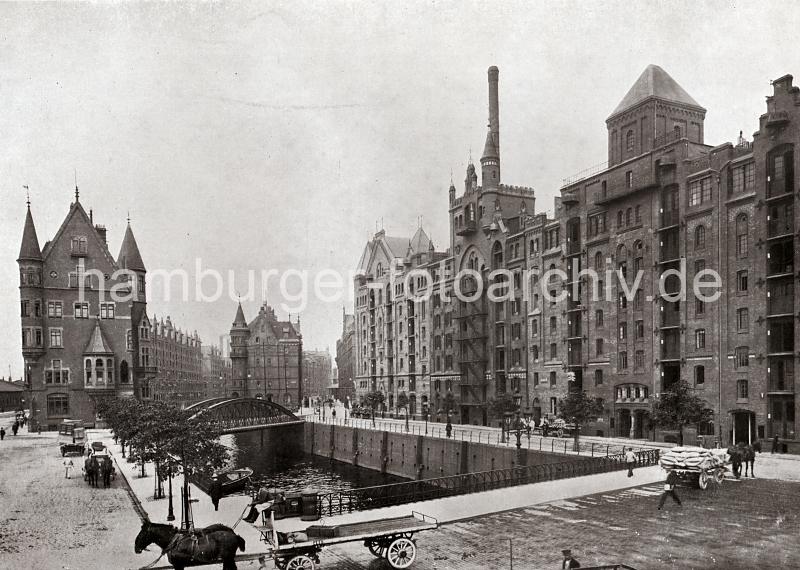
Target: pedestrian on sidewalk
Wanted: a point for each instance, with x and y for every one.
(569, 560)
(630, 460)
(68, 466)
(2, 433)
(448, 428)
(215, 492)
(774, 443)
(669, 489)
(545, 427)
(14, 428)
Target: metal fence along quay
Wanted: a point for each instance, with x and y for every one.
(380, 496)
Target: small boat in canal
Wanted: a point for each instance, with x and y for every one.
(235, 480)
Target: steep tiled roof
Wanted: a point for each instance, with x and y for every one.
(29, 250)
(655, 82)
(97, 343)
(129, 256)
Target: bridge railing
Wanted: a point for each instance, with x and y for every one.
(380, 496)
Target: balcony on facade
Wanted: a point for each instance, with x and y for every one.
(780, 297)
(469, 227)
(780, 374)
(780, 220)
(669, 218)
(670, 314)
(669, 246)
(780, 335)
(780, 258)
(574, 327)
(670, 345)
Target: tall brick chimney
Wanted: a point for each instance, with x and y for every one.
(494, 107)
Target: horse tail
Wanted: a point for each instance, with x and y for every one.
(240, 542)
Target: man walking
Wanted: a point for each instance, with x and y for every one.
(14, 428)
(68, 466)
(669, 489)
(774, 443)
(630, 460)
(2, 433)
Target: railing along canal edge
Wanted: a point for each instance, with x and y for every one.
(380, 496)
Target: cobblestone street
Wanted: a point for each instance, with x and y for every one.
(759, 516)
(48, 522)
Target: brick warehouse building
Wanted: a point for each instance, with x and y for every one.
(266, 358)
(664, 200)
(74, 349)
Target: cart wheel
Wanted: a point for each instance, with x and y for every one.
(401, 553)
(702, 480)
(300, 562)
(719, 476)
(376, 549)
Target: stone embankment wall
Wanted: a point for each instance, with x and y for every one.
(416, 456)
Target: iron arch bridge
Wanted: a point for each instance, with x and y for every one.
(232, 415)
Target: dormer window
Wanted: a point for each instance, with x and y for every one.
(78, 245)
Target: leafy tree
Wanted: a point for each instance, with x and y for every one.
(678, 407)
(123, 415)
(501, 404)
(373, 400)
(580, 409)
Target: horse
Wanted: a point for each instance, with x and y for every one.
(748, 458)
(90, 470)
(203, 546)
(106, 470)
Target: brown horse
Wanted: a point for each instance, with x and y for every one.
(207, 545)
(106, 471)
(91, 469)
(742, 454)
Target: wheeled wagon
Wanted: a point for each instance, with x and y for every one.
(701, 477)
(391, 539)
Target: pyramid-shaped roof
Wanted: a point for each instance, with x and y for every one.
(420, 243)
(29, 250)
(97, 342)
(240, 321)
(129, 256)
(655, 82)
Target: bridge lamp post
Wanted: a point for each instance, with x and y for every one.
(170, 510)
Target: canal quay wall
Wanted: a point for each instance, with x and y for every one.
(416, 456)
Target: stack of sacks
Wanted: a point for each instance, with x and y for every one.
(693, 458)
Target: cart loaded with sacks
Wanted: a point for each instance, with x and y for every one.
(391, 539)
(696, 465)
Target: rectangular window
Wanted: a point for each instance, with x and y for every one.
(741, 281)
(535, 379)
(54, 309)
(622, 360)
(552, 379)
(742, 320)
(623, 331)
(699, 307)
(599, 346)
(629, 179)
(598, 318)
(699, 375)
(742, 357)
(700, 191)
(57, 405)
(741, 245)
(553, 351)
(107, 310)
(700, 338)
(640, 329)
(25, 308)
(741, 389)
(638, 360)
(81, 310)
(743, 178)
(56, 338)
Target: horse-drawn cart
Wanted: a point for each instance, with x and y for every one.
(696, 466)
(391, 539)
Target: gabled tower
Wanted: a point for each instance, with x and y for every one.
(240, 334)
(30, 290)
(655, 111)
(129, 258)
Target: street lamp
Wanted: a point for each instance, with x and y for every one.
(170, 510)
(425, 411)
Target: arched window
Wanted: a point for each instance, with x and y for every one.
(497, 255)
(598, 261)
(630, 141)
(628, 216)
(87, 365)
(741, 235)
(700, 237)
(619, 219)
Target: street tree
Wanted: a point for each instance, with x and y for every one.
(374, 399)
(402, 403)
(580, 409)
(678, 407)
(502, 404)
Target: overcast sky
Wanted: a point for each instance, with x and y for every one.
(274, 135)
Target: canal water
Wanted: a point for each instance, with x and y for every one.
(281, 464)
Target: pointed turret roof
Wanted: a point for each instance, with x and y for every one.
(240, 321)
(29, 250)
(490, 148)
(420, 242)
(129, 256)
(657, 83)
(97, 342)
